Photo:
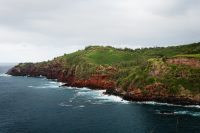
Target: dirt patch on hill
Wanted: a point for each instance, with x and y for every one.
(192, 62)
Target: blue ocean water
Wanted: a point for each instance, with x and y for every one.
(38, 105)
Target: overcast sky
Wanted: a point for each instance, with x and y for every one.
(37, 30)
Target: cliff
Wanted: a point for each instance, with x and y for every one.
(170, 74)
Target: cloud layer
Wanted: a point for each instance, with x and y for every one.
(42, 29)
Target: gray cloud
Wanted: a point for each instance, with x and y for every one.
(42, 29)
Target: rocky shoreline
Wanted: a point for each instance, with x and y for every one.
(130, 97)
(101, 82)
(169, 99)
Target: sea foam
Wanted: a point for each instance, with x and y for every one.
(166, 104)
(50, 84)
(64, 104)
(191, 113)
(4, 75)
(98, 96)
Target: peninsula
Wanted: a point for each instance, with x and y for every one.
(161, 74)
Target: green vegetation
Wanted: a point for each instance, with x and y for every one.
(138, 68)
(197, 56)
(107, 56)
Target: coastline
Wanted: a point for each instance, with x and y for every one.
(163, 102)
(171, 100)
(179, 101)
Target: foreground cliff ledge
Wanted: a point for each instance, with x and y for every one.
(170, 74)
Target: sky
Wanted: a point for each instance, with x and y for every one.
(38, 30)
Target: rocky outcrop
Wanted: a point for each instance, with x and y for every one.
(159, 98)
(94, 82)
(55, 71)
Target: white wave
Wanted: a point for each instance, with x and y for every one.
(77, 89)
(64, 105)
(97, 102)
(30, 86)
(4, 75)
(85, 89)
(156, 103)
(193, 106)
(111, 98)
(44, 86)
(82, 93)
(99, 96)
(191, 113)
(70, 88)
(56, 83)
(79, 106)
(50, 84)
(42, 76)
(167, 104)
(61, 83)
(178, 112)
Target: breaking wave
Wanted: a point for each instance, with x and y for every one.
(51, 84)
(156, 103)
(64, 104)
(4, 75)
(191, 113)
(178, 112)
(167, 104)
(98, 96)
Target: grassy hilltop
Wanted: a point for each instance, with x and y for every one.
(135, 65)
(171, 70)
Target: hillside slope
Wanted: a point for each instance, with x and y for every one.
(170, 74)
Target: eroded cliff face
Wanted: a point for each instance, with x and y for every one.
(94, 82)
(55, 71)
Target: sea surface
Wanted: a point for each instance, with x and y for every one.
(39, 105)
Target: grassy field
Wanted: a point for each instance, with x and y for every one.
(197, 56)
(108, 56)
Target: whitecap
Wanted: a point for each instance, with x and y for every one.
(45, 86)
(70, 88)
(52, 82)
(98, 96)
(4, 75)
(191, 113)
(167, 104)
(193, 106)
(30, 86)
(85, 89)
(65, 104)
(82, 93)
(156, 103)
(42, 76)
(60, 83)
(111, 98)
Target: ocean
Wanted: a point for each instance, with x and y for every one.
(39, 105)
